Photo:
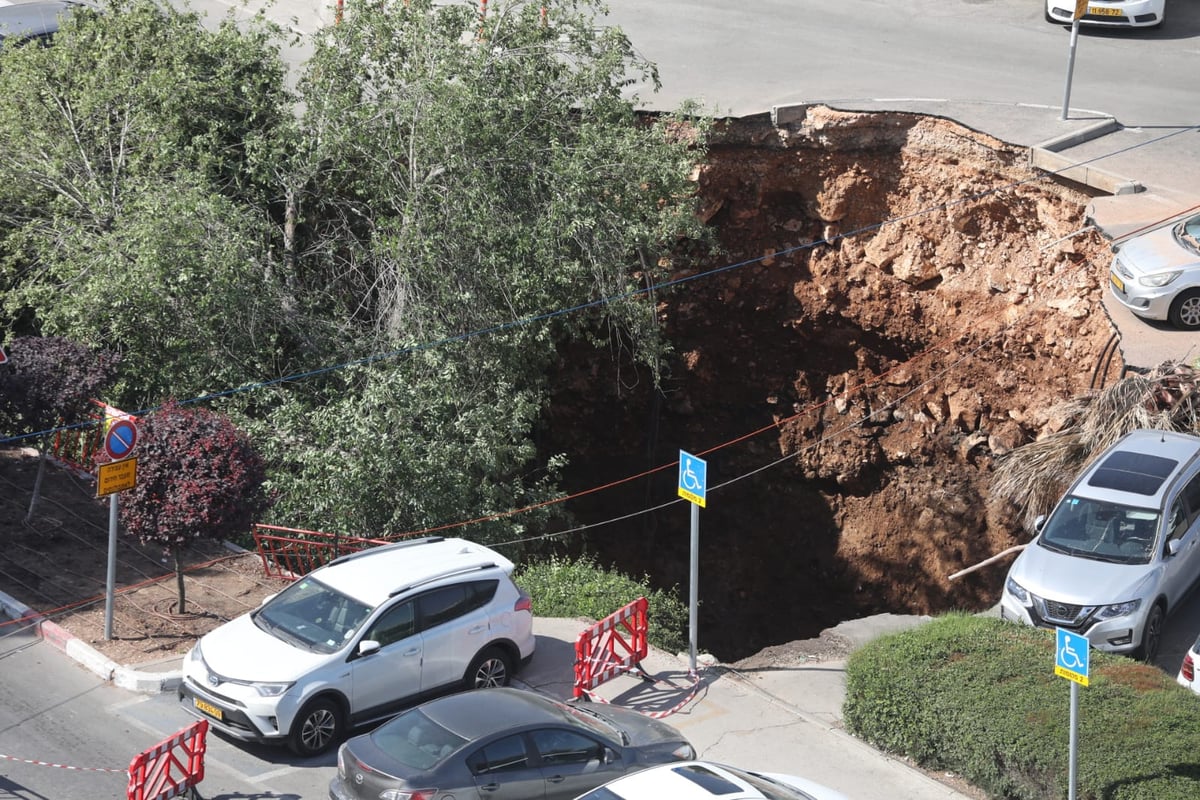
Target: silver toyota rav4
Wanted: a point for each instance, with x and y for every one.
(1118, 553)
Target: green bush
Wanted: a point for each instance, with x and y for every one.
(979, 697)
(580, 588)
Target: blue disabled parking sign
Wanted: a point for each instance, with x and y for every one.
(693, 478)
(1071, 656)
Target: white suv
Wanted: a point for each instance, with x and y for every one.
(1119, 552)
(358, 639)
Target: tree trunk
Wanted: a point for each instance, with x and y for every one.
(37, 482)
(179, 580)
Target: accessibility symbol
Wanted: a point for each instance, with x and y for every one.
(1071, 656)
(693, 478)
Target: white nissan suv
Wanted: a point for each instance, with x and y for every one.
(358, 639)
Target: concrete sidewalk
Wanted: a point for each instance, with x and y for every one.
(785, 719)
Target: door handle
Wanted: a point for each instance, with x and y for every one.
(555, 779)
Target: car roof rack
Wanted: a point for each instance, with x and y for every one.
(447, 574)
(382, 547)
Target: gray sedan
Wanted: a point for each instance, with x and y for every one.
(1157, 275)
(502, 744)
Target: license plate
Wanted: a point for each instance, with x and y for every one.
(208, 708)
(1116, 281)
(1105, 12)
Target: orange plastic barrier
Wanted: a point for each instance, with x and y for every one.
(613, 646)
(291, 552)
(172, 767)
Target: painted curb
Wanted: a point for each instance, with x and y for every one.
(86, 655)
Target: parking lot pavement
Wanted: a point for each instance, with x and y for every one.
(784, 719)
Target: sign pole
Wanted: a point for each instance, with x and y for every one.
(1074, 738)
(111, 579)
(120, 439)
(693, 487)
(1072, 660)
(1080, 10)
(694, 587)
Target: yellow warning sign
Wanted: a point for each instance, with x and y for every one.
(116, 476)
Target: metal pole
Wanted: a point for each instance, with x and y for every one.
(1074, 746)
(111, 580)
(694, 588)
(1070, 67)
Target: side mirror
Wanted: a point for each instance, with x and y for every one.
(267, 599)
(610, 756)
(1172, 547)
(1038, 523)
(367, 646)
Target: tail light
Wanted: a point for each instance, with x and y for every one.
(524, 603)
(1188, 669)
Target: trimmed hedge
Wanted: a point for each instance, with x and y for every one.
(978, 696)
(580, 588)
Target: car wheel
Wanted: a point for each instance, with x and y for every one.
(1152, 633)
(1185, 310)
(492, 667)
(316, 728)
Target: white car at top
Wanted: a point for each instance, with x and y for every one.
(704, 780)
(1113, 13)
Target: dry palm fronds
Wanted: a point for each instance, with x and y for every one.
(1033, 477)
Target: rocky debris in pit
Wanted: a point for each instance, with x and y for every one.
(911, 303)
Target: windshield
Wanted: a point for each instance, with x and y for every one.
(416, 741)
(1101, 531)
(309, 614)
(1187, 233)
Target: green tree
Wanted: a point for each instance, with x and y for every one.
(463, 177)
(136, 193)
(199, 477)
(457, 179)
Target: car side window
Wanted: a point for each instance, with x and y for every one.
(1177, 520)
(398, 622)
(502, 755)
(557, 746)
(1191, 495)
(442, 605)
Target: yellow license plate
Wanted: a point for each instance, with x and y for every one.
(208, 708)
(1117, 282)
(1105, 12)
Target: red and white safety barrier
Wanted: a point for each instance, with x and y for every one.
(613, 646)
(172, 767)
(616, 645)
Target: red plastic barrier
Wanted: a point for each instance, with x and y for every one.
(291, 552)
(172, 767)
(77, 447)
(613, 646)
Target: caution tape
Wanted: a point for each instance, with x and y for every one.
(692, 674)
(35, 762)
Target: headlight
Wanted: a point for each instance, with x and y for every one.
(1017, 591)
(1119, 609)
(272, 689)
(1159, 279)
(194, 654)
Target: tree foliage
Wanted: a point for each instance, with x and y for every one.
(198, 477)
(446, 205)
(135, 196)
(50, 381)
